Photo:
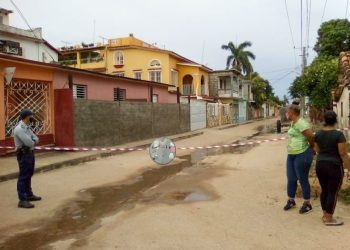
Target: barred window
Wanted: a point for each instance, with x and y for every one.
(79, 91)
(119, 94)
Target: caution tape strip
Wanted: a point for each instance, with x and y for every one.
(141, 149)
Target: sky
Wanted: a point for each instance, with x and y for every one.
(195, 29)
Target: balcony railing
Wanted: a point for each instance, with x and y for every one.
(187, 89)
(91, 60)
(69, 62)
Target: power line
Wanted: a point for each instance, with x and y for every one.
(308, 37)
(324, 10)
(281, 78)
(301, 25)
(308, 14)
(307, 18)
(279, 70)
(290, 29)
(25, 20)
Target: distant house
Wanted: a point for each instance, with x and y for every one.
(340, 94)
(227, 87)
(133, 58)
(26, 44)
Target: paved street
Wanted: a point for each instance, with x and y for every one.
(228, 198)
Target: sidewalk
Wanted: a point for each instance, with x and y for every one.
(52, 160)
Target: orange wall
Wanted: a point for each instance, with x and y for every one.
(25, 71)
(30, 72)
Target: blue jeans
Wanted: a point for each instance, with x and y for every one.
(298, 167)
(26, 164)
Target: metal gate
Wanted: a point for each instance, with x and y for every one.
(198, 114)
(31, 94)
(242, 111)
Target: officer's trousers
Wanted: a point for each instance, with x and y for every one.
(26, 162)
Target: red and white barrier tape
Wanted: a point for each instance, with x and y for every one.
(141, 149)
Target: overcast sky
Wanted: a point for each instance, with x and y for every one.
(195, 29)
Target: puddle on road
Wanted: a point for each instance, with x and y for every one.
(271, 129)
(196, 196)
(183, 182)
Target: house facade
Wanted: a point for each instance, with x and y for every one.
(340, 94)
(228, 87)
(133, 58)
(26, 44)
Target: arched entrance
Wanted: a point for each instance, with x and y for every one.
(187, 85)
(202, 85)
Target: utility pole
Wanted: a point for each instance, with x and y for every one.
(303, 99)
(303, 60)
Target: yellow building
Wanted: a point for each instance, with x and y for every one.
(134, 58)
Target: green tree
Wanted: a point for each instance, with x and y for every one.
(333, 38)
(317, 82)
(258, 89)
(298, 88)
(239, 57)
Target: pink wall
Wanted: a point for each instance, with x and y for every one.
(101, 88)
(164, 96)
(60, 80)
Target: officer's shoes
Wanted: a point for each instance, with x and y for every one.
(34, 198)
(25, 204)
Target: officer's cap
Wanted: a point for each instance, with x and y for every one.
(25, 113)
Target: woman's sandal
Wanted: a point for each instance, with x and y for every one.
(334, 222)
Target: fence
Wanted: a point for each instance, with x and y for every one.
(99, 123)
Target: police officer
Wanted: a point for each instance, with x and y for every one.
(25, 141)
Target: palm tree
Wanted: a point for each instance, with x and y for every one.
(239, 58)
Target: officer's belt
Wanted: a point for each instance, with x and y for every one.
(24, 150)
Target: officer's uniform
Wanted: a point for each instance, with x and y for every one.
(25, 141)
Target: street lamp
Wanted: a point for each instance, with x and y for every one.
(8, 73)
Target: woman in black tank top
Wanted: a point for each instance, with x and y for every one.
(331, 160)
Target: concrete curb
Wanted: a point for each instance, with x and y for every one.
(93, 157)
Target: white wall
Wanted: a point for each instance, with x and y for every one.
(33, 50)
(5, 19)
(343, 119)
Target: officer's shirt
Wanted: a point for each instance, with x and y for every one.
(23, 135)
